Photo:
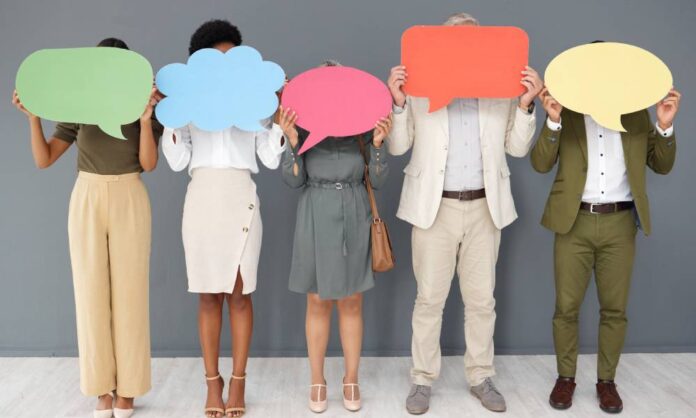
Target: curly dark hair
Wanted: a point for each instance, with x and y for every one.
(113, 42)
(213, 32)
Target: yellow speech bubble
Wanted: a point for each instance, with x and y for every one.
(607, 80)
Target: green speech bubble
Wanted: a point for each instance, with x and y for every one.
(101, 86)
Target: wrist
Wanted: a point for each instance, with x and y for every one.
(399, 102)
(663, 125)
(145, 120)
(555, 119)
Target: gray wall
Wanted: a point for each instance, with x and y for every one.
(36, 301)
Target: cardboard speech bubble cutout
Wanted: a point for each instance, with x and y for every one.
(217, 90)
(101, 86)
(447, 62)
(606, 80)
(336, 101)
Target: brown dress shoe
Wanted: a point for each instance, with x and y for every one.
(562, 393)
(609, 399)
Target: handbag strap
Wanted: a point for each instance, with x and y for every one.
(368, 183)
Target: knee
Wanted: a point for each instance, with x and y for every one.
(427, 302)
(318, 307)
(210, 301)
(480, 305)
(566, 312)
(351, 305)
(238, 302)
(613, 313)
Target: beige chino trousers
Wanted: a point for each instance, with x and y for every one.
(463, 238)
(109, 228)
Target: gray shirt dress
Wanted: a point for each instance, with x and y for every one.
(331, 250)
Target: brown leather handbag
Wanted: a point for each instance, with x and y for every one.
(382, 254)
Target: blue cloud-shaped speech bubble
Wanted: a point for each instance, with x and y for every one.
(216, 90)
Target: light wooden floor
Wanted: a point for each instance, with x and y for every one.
(652, 385)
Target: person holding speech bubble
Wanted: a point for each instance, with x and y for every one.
(109, 223)
(221, 226)
(332, 261)
(457, 196)
(597, 203)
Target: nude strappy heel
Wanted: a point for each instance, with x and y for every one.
(105, 413)
(351, 404)
(230, 411)
(318, 406)
(206, 411)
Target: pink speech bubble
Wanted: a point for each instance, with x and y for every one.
(336, 101)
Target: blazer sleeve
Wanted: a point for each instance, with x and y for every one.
(662, 151)
(520, 131)
(401, 137)
(546, 148)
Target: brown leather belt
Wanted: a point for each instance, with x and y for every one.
(465, 194)
(606, 207)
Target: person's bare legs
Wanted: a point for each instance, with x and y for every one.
(350, 324)
(317, 328)
(241, 324)
(209, 327)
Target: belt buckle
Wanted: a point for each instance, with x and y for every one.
(592, 205)
(463, 194)
(339, 186)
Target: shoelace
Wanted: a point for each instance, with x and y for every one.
(488, 386)
(418, 390)
(565, 386)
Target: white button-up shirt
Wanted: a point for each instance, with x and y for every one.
(607, 178)
(464, 168)
(230, 148)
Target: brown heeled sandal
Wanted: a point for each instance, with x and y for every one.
(207, 411)
(229, 412)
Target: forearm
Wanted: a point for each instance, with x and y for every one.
(662, 152)
(293, 168)
(39, 147)
(148, 146)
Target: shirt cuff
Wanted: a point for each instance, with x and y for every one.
(664, 133)
(168, 139)
(276, 137)
(378, 155)
(554, 126)
(398, 109)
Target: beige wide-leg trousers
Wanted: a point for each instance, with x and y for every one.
(463, 238)
(109, 229)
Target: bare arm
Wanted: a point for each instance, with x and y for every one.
(45, 152)
(148, 145)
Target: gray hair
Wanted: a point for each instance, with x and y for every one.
(461, 19)
(330, 63)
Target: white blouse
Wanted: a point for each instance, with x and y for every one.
(230, 148)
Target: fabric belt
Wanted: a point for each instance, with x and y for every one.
(602, 208)
(465, 194)
(334, 185)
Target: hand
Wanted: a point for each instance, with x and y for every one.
(532, 82)
(397, 79)
(382, 129)
(18, 104)
(667, 109)
(155, 97)
(551, 106)
(286, 121)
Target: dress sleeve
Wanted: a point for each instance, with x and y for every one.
(293, 167)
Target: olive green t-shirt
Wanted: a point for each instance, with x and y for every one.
(101, 153)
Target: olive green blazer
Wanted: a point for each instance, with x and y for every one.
(642, 146)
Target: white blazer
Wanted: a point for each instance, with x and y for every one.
(504, 128)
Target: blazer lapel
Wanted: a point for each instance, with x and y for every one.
(626, 137)
(578, 122)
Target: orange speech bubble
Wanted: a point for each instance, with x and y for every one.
(447, 62)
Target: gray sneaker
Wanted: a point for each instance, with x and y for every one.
(418, 401)
(489, 396)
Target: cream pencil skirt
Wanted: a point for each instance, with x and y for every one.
(109, 230)
(221, 230)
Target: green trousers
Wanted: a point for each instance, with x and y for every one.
(606, 244)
